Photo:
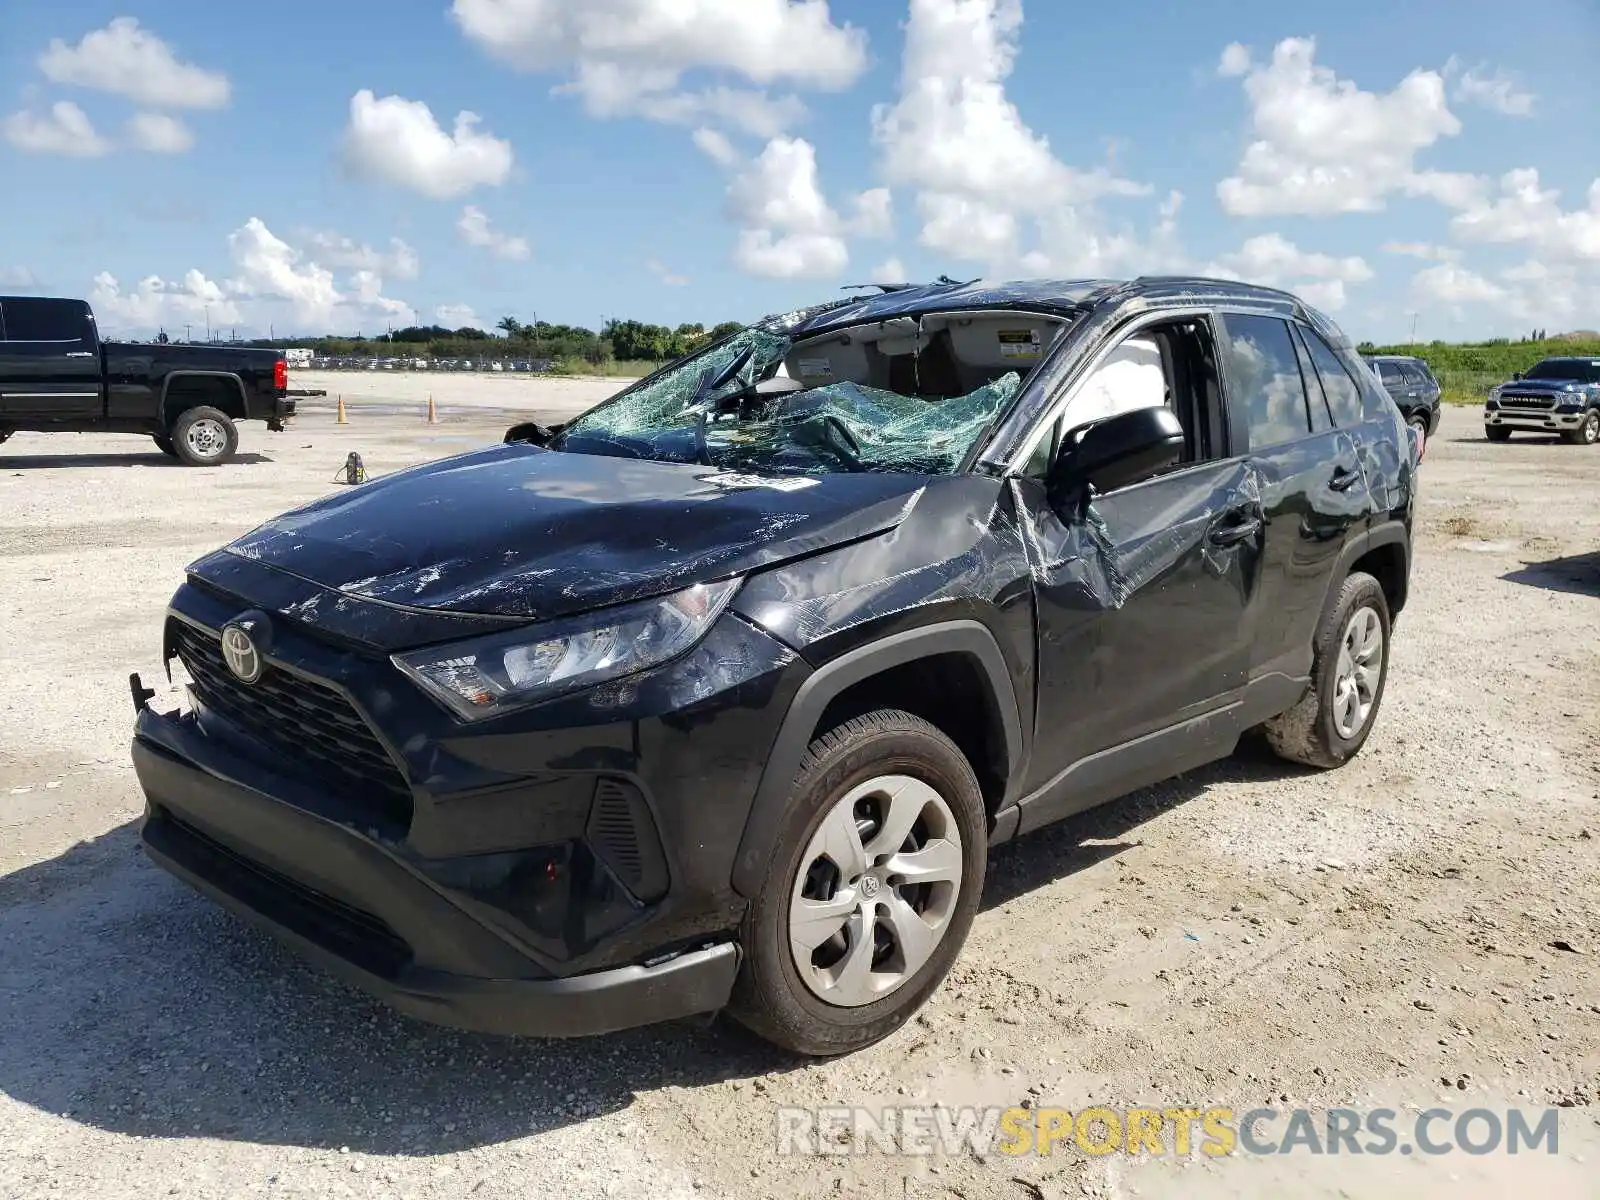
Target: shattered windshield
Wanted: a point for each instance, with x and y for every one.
(738, 406)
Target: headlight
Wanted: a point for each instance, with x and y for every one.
(488, 676)
(1494, 394)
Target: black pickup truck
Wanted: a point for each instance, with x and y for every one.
(57, 376)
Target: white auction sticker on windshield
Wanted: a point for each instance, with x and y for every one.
(816, 368)
(730, 479)
(1019, 343)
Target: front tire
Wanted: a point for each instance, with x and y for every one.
(874, 881)
(204, 437)
(1350, 665)
(1588, 433)
(1497, 433)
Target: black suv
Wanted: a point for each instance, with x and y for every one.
(717, 696)
(1412, 386)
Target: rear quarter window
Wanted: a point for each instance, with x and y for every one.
(1348, 401)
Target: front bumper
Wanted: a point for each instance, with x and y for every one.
(1544, 419)
(348, 903)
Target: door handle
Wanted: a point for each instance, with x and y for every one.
(1344, 479)
(1240, 530)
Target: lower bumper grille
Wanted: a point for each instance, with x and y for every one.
(355, 936)
(310, 724)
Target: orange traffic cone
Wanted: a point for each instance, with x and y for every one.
(343, 420)
(433, 413)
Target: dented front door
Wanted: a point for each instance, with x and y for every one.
(1144, 632)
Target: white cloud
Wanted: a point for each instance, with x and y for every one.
(1527, 213)
(1453, 189)
(1423, 250)
(1235, 60)
(788, 228)
(630, 56)
(1271, 260)
(666, 274)
(398, 141)
(154, 302)
(890, 271)
(955, 137)
(159, 133)
(790, 256)
(716, 146)
(1451, 283)
(133, 62)
(476, 230)
(1323, 145)
(63, 129)
(272, 283)
(874, 213)
(457, 316)
(19, 279)
(335, 250)
(1497, 91)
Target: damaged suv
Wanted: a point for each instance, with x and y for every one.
(717, 697)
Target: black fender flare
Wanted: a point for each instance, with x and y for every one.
(226, 376)
(825, 684)
(1389, 533)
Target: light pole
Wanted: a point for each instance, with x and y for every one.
(1414, 328)
(208, 324)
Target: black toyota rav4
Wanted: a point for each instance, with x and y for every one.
(717, 697)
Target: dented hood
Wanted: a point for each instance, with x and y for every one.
(517, 531)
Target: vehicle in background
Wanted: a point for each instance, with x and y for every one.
(719, 695)
(1411, 385)
(1559, 395)
(299, 359)
(57, 376)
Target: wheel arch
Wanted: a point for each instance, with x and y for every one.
(1383, 552)
(831, 688)
(221, 390)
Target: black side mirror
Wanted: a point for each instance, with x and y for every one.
(1119, 451)
(539, 435)
(1516, 376)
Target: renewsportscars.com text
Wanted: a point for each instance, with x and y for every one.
(1214, 1132)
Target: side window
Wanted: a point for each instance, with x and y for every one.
(1391, 374)
(1131, 377)
(1316, 398)
(1264, 375)
(1172, 365)
(1344, 397)
(29, 320)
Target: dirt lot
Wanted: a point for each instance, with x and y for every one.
(1246, 935)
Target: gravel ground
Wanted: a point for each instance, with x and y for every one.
(1247, 934)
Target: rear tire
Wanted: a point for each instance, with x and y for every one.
(164, 444)
(1497, 433)
(887, 777)
(204, 437)
(1586, 434)
(1349, 667)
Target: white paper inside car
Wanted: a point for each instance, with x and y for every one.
(1130, 378)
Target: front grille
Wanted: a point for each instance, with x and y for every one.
(1539, 401)
(357, 936)
(311, 724)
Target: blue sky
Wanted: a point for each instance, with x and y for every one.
(302, 167)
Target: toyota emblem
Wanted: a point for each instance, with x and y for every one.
(240, 653)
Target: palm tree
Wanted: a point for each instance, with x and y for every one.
(511, 326)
